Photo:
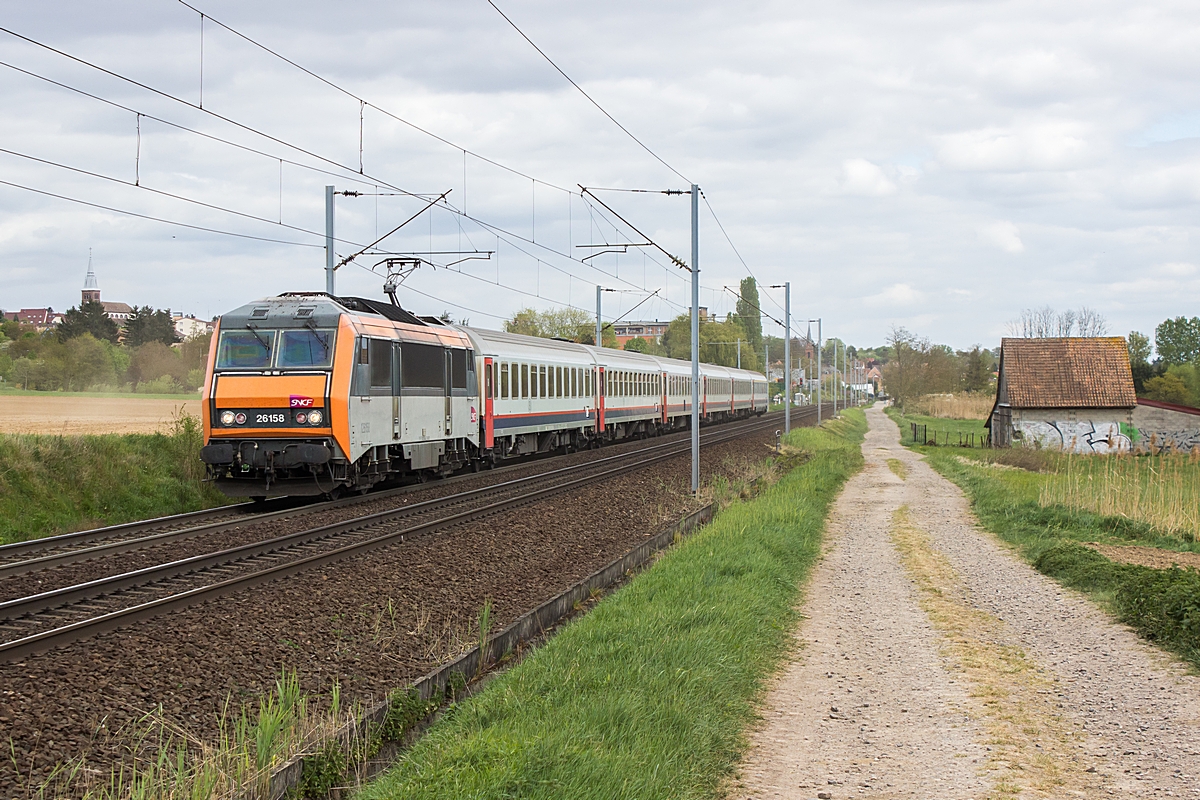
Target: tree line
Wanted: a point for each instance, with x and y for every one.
(718, 338)
(1174, 375)
(89, 351)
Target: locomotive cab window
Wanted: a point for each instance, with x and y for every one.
(248, 349)
(305, 348)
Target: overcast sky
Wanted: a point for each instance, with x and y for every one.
(934, 165)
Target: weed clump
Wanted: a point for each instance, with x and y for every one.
(1163, 605)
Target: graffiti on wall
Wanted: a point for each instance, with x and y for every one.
(1160, 438)
(1078, 437)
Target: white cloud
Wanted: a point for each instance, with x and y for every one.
(897, 296)
(976, 124)
(861, 177)
(1002, 234)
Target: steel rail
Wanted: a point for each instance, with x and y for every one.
(22, 606)
(19, 648)
(65, 557)
(54, 598)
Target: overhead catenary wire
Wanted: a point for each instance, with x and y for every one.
(590, 99)
(173, 196)
(155, 219)
(186, 129)
(190, 104)
(364, 103)
(352, 174)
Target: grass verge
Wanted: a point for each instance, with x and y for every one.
(58, 484)
(1162, 605)
(648, 695)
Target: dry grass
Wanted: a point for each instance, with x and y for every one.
(897, 467)
(1161, 491)
(168, 763)
(952, 406)
(1031, 747)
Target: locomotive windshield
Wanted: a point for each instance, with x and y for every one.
(260, 348)
(308, 347)
(248, 349)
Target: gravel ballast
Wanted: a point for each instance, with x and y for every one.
(371, 624)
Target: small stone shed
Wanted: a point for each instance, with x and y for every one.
(1074, 394)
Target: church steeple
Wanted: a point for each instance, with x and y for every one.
(91, 289)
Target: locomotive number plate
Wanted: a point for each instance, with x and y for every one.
(267, 419)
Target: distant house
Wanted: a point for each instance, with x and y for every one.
(640, 329)
(1073, 394)
(188, 327)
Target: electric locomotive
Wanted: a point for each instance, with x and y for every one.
(310, 394)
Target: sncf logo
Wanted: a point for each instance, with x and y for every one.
(298, 401)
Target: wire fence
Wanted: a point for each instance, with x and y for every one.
(921, 434)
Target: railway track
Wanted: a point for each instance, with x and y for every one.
(49, 619)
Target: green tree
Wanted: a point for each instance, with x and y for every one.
(155, 360)
(718, 342)
(572, 324)
(749, 313)
(1139, 360)
(976, 376)
(87, 318)
(1178, 340)
(22, 371)
(85, 362)
(1168, 389)
(637, 345)
(149, 325)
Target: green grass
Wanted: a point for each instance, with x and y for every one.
(1162, 605)
(57, 484)
(945, 428)
(649, 694)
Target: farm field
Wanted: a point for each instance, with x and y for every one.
(74, 414)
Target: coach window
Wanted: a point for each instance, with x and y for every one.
(574, 382)
(542, 382)
(524, 390)
(504, 380)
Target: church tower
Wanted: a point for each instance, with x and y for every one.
(91, 289)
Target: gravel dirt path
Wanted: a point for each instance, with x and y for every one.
(933, 662)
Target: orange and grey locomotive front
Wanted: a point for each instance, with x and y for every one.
(307, 394)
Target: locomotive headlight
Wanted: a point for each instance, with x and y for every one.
(315, 417)
(226, 417)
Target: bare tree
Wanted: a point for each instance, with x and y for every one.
(1064, 323)
(1045, 323)
(1092, 322)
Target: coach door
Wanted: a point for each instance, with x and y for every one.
(395, 391)
(600, 392)
(662, 394)
(489, 392)
(447, 376)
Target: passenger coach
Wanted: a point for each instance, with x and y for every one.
(313, 394)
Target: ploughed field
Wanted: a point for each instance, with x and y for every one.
(69, 414)
(371, 623)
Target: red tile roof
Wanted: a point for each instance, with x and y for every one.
(1067, 373)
